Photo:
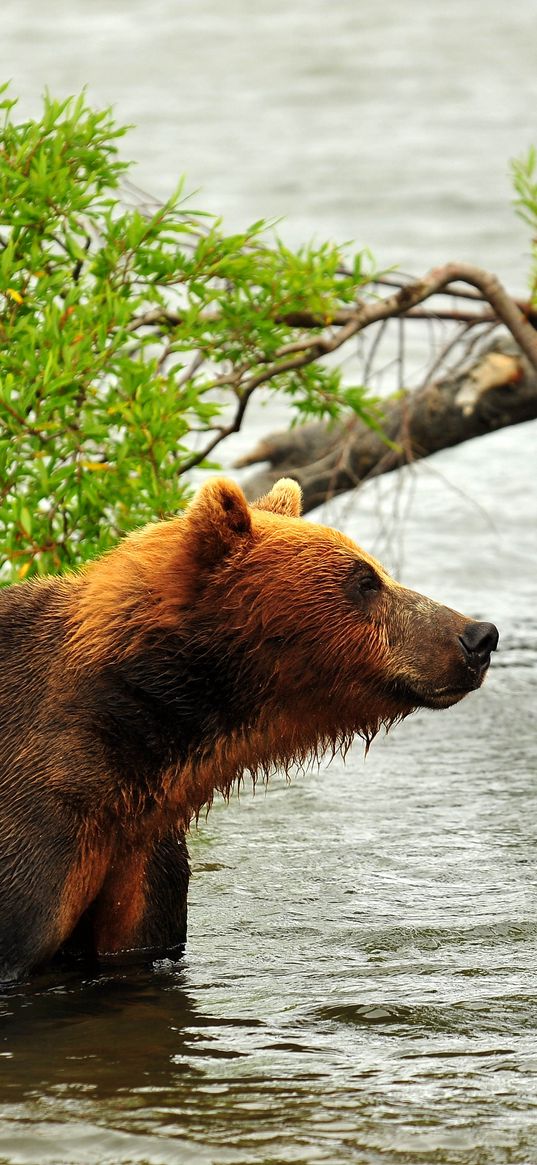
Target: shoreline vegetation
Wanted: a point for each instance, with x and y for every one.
(135, 334)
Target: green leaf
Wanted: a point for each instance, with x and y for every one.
(129, 335)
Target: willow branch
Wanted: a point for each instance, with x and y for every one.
(411, 295)
(167, 317)
(222, 432)
(292, 357)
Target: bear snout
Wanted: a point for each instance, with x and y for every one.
(446, 656)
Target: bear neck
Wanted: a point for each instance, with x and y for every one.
(179, 723)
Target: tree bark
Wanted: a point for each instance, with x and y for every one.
(497, 390)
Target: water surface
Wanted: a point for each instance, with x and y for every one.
(359, 980)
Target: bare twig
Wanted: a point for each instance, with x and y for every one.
(221, 433)
(371, 355)
(406, 280)
(445, 351)
(191, 369)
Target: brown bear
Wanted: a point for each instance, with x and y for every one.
(234, 638)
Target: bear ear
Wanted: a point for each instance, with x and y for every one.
(219, 520)
(284, 498)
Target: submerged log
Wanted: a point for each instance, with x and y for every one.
(497, 390)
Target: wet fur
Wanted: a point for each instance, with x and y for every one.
(234, 638)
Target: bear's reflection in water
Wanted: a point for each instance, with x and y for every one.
(110, 1034)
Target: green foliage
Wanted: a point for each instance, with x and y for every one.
(525, 183)
(131, 342)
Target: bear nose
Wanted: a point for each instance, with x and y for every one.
(480, 639)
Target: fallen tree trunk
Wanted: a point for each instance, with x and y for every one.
(499, 389)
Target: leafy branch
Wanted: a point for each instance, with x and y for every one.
(133, 335)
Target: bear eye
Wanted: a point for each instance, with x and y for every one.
(363, 582)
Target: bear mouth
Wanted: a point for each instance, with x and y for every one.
(444, 698)
(441, 697)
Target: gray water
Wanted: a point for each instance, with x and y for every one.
(359, 980)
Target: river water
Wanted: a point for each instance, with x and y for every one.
(359, 980)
